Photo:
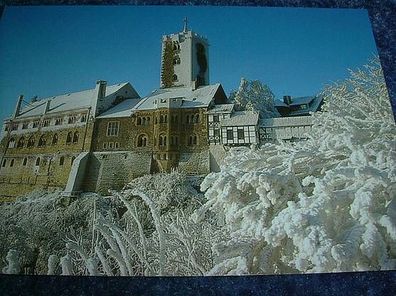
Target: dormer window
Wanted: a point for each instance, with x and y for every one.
(36, 123)
(46, 122)
(71, 119)
(83, 118)
(58, 121)
(25, 125)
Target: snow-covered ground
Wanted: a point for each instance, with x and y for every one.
(325, 204)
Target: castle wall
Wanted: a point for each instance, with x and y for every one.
(23, 169)
(196, 163)
(113, 170)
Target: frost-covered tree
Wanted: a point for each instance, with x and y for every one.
(254, 96)
(325, 204)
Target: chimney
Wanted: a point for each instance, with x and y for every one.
(101, 89)
(47, 106)
(18, 106)
(287, 100)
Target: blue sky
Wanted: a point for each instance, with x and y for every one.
(48, 50)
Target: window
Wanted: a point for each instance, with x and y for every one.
(196, 118)
(217, 133)
(111, 145)
(105, 145)
(174, 140)
(12, 163)
(41, 142)
(174, 77)
(142, 141)
(188, 119)
(61, 160)
(36, 123)
(21, 142)
(69, 138)
(58, 121)
(30, 142)
(54, 139)
(139, 121)
(37, 161)
(11, 143)
(144, 120)
(14, 127)
(116, 145)
(46, 122)
(241, 134)
(192, 140)
(113, 128)
(162, 140)
(71, 119)
(25, 125)
(75, 137)
(230, 135)
(215, 118)
(83, 118)
(24, 163)
(4, 163)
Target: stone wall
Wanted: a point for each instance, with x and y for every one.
(23, 169)
(195, 163)
(112, 170)
(217, 155)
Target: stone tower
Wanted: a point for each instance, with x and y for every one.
(184, 59)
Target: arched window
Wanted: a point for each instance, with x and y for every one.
(69, 138)
(30, 142)
(24, 161)
(139, 121)
(142, 141)
(165, 118)
(192, 140)
(54, 139)
(144, 121)
(148, 120)
(4, 163)
(72, 160)
(11, 143)
(174, 77)
(75, 137)
(12, 162)
(61, 160)
(161, 118)
(21, 142)
(188, 119)
(41, 142)
(38, 161)
(196, 118)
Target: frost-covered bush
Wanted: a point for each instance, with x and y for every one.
(254, 96)
(39, 225)
(153, 235)
(325, 204)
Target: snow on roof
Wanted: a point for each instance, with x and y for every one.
(222, 108)
(295, 101)
(312, 102)
(65, 102)
(241, 118)
(123, 109)
(200, 97)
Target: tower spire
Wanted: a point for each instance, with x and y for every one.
(185, 25)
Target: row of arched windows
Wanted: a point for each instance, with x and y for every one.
(143, 120)
(193, 118)
(142, 140)
(37, 162)
(42, 141)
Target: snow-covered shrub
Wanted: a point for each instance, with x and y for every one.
(325, 204)
(40, 224)
(13, 266)
(254, 96)
(153, 235)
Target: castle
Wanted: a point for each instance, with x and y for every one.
(102, 138)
